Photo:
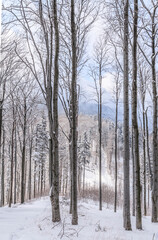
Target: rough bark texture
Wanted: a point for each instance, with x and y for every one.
(55, 183)
(3, 170)
(126, 205)
(133, 170)
(116, 122)
(135, 121)
(34, 189)
(23, 155)
(155, 148)
(70, 158)
(74, 115)
(144, 157)
(2, 166)
(148, 151)
(12, 164)
(100, 139)
(30, 169)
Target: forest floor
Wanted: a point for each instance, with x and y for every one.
(32, 221)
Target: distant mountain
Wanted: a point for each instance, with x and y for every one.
(92, 109)
(89, 108)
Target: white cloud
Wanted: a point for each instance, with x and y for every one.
(108, 83)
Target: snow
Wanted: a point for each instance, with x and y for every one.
(32, 221)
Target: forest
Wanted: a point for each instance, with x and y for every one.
(79, 119)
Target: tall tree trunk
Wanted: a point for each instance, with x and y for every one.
(23, 156)
(55, 186)
(155, 144)
(70, 158)
(48, 83)
(126, 207)
(135, 121)
(50, 155)
(84, 171)
(2, 169)
(42, 179)
(15, 165)
(74, 115)
(35, 175)
(2, 176)
(133, 170)
(144, 157)
(12, 164)
(116, 117)
(148, 152)
(30, 169)
(100, 138)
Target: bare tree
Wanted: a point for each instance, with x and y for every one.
(55, 182)
(151, 31)
(117, 90)
(126, 207)
(135, 121)
(97, 73)
(39, 45)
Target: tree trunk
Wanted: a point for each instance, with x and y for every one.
(70, 157)
(126, 207)
(12, 164)
(84, 171)
(133, 166)
(100, 139)
(116, 117)
(74, 115)
(148, 152)
(55, 186)
(23, 156)
(42, 176)
(155, 148)
(30, 169)
(15, 167)
(35, 174)
(2, 174)
(135, 121)
(144, 157)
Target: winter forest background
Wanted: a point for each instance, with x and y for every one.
(78, 119)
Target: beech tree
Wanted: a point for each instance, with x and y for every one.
(150, 31)
(135, 121)
(126, 206)
(97, 73)
(47, 29)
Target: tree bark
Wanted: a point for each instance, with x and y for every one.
(133, 170)
(126, 206)
(155, 144)
(144, 157)
(74, 115)
(30, 169)
(3, 170)
(55, 185)
(15, 164)
(23, 155)
(148, 151)
(135, 121)
(2, 176)
(12, 164)
(116, 122)
(100, 138)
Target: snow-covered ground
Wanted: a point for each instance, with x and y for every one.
(32, 221)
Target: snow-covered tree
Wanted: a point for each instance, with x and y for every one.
(40, 153)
